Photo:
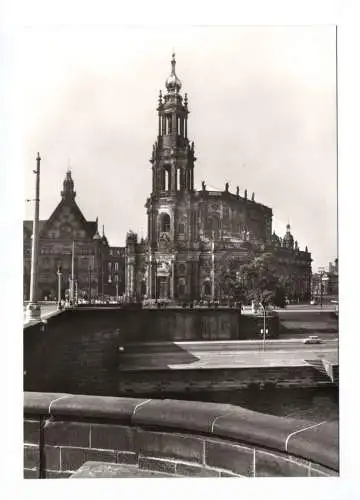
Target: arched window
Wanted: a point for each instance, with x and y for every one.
(165, 223)
(178, 178)
(212, 225)
(168, 124)
(207, 288)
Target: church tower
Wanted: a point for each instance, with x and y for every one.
(172, 157)
(172, 163)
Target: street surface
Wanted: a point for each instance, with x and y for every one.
(226, 354)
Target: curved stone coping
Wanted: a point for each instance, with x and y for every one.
(317, 442)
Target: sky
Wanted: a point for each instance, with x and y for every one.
(262, 106)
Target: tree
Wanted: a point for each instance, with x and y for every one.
(262, 281)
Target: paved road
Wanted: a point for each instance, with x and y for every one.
(230, 346)
(223, 354)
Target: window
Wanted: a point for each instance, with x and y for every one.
(109, 278)
(181, 228)
(181, 269)
(109, 267)
(165, 223)
(212, 225)
(207, 288)
(116, 267)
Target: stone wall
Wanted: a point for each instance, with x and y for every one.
(63, 431)
(161, 383)
(77, 350)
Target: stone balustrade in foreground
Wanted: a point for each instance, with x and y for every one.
(180, 438)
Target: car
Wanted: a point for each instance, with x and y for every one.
(312, 302)
(313, 339)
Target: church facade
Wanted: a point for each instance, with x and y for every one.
(68, 241)
(197, 237)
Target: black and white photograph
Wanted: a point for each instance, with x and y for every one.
(180, 252)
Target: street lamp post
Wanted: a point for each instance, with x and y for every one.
(59, 273)
(264, 330)
(117, 287)
(33, 309)
(72, 287)
(213, 269)
(89, 284)
(76, 292)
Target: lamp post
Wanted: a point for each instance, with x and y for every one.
(213, 269)
(72, 287)
(59, 273)
(264, 331)
(76, 292)
(89, 269)
(33, 309)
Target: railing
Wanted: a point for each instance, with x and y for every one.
(63, 431)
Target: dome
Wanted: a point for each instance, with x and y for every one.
(173, 84)
(288, 240)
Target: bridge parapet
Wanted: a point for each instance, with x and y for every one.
(63, 431)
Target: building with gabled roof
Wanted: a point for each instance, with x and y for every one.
(98, 267)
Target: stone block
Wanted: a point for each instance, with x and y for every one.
(274, 465)
(38, 403)
(31, 457)
(52, 458)
(83, 406)
(175, 446)
(112, 437)
(67, 433)
(320, 471)
(189, 415)
(228, 456)
(153, 464)
(73, 458)
(31, 474)
(32, 431)
(319, 444)
(258, 429)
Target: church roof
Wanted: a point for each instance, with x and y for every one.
(91, 226)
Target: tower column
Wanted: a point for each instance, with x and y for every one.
(173, 176)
